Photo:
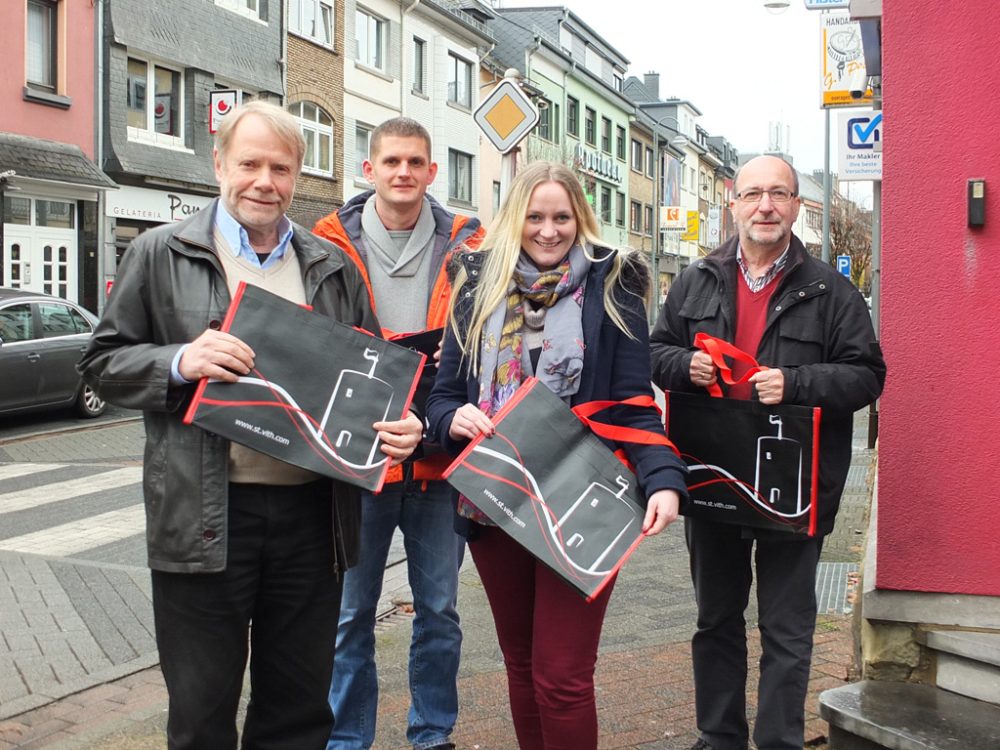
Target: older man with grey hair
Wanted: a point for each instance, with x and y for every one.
(247, 552)
(810, 327)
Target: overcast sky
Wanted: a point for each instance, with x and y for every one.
(742, 65)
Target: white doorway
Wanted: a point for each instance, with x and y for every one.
(40, 246)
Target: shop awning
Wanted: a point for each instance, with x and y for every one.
(37, 159)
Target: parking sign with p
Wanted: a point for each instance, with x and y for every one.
(844, 265)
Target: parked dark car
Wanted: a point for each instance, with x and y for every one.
(41, 339)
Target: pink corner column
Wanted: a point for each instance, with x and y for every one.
(939, 440)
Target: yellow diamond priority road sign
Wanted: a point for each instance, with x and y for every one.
(506, 116)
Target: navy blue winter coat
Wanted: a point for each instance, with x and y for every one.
(615, 367)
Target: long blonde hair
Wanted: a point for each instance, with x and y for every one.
(502, 245)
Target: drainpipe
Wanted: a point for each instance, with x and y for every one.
(99, 149)
(283, 62)
(402, 55)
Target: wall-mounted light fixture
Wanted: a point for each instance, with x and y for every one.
(977, 202)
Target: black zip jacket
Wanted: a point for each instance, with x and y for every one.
(818, 331)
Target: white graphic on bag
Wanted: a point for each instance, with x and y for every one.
(571, 544)
(350, 401)
(780, 489)
(353, 390)
(615, 511)
(778, 480)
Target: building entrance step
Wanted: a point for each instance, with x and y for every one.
(869, 715)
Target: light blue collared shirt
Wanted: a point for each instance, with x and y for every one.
(239, 242)
(238, 239)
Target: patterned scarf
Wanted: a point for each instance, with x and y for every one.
(560, 292)
(503, 359)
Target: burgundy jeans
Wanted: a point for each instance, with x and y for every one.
(549, 637)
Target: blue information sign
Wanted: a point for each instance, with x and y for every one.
(844, 265)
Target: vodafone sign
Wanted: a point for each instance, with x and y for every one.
(220, 104)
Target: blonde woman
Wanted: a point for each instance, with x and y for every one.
(545, 298)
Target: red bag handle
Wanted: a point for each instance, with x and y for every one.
(718, 350)
(617, 432)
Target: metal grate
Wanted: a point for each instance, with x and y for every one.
(832, 587)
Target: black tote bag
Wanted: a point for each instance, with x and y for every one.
(552, 485)
(317, 387)
(748, 463)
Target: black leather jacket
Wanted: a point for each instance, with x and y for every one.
(169, 289)
(818, 331)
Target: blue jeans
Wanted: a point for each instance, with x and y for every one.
(433, 556)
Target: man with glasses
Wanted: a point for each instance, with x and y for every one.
(807, 323)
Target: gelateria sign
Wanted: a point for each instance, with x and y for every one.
(597, 164)
(143, 204)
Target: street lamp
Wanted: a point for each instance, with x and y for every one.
(678, 141)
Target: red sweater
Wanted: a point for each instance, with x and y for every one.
(751, 319)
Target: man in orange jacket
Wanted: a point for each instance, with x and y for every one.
(402, 241)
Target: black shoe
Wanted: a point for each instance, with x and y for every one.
(442, 746)
(701, 745)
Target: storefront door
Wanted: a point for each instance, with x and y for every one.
(40, 249)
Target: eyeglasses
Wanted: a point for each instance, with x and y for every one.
(753, 195)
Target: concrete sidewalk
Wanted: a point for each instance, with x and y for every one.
(644, 684)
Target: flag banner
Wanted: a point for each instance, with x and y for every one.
(315, 391)
(549, 482)
(748, 463)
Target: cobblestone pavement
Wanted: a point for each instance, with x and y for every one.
(644, 687)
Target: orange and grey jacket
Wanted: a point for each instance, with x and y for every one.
(343, 228)
(453, 233)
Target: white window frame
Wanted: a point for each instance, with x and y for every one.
(637, 155)
(607, 136)
(296, 12)
(374, 29)
(573, 116)
(419, 66)
(590, 126)
(247, 8)
(546, 120)
(42, 47)
(606, 205)
(313, 131)
(455, 65)
(362, 134)
(454, 170)
(635, 217)
(148, 134)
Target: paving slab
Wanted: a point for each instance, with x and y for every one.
(78, 662)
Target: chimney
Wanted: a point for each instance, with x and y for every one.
(651, 81)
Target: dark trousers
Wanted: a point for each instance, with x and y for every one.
(722, 568)
(280, 589)
(549, 637)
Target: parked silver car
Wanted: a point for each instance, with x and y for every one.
(41, 339)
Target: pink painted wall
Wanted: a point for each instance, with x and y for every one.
(74, 125)
(939, 458)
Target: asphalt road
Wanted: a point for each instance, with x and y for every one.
(23, 425)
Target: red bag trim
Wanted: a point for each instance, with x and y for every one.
(718, 350)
